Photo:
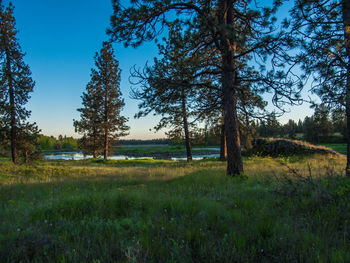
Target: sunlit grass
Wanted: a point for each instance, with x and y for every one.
(149, 211)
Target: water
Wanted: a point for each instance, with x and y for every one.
(195, 157)
(81, 156)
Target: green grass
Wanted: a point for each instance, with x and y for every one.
(162, 211)
(339, 147)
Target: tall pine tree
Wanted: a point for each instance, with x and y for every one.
(15, 80)
(101, 122)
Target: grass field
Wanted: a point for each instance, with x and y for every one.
(280, 210)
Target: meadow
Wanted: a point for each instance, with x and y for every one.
(293, 209)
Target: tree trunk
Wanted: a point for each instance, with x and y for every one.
(229, 86)
(94, 150)
(105, 155)
(185, 122)
(26, 156)
(223, 149)
(346, 21)
(106, 111)
(13, 132)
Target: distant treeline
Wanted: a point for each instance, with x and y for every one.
(62, 143)
(324, 126)
(143, 142)
(43, 143)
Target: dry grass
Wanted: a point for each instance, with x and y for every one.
(259, 167)
(320, 165)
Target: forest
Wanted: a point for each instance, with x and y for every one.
(230, 182)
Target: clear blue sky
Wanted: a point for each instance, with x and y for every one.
(60, 38)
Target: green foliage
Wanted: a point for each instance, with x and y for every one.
(50, 143)
(319, 126)
(27, 139)
(324, 126)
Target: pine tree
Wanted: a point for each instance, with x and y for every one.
(28, 143)
(339, 122)
(170, 88)
(90, 121)
(323, 30)
(15, 80)
(237, 31)
(101, 122)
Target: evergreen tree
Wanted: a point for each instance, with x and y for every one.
(323, 30)
(290, 129)
(101, 120)
(270, 126)
(28, 143)
(15, 79)
(324, 126)
(237, 31)
(299, 126)
(309, 129)
(318, 127)
(90, 121)
(171, 86)
(339, 121)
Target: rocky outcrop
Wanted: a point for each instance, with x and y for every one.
(276, 147)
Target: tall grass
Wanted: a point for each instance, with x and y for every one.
(175, 212)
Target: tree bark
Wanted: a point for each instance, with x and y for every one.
(94, 150)
(105, 154)
(346, 21)
(185, 123)
(229, 86)
(106, 117)
(13, 132)
(223, 149)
